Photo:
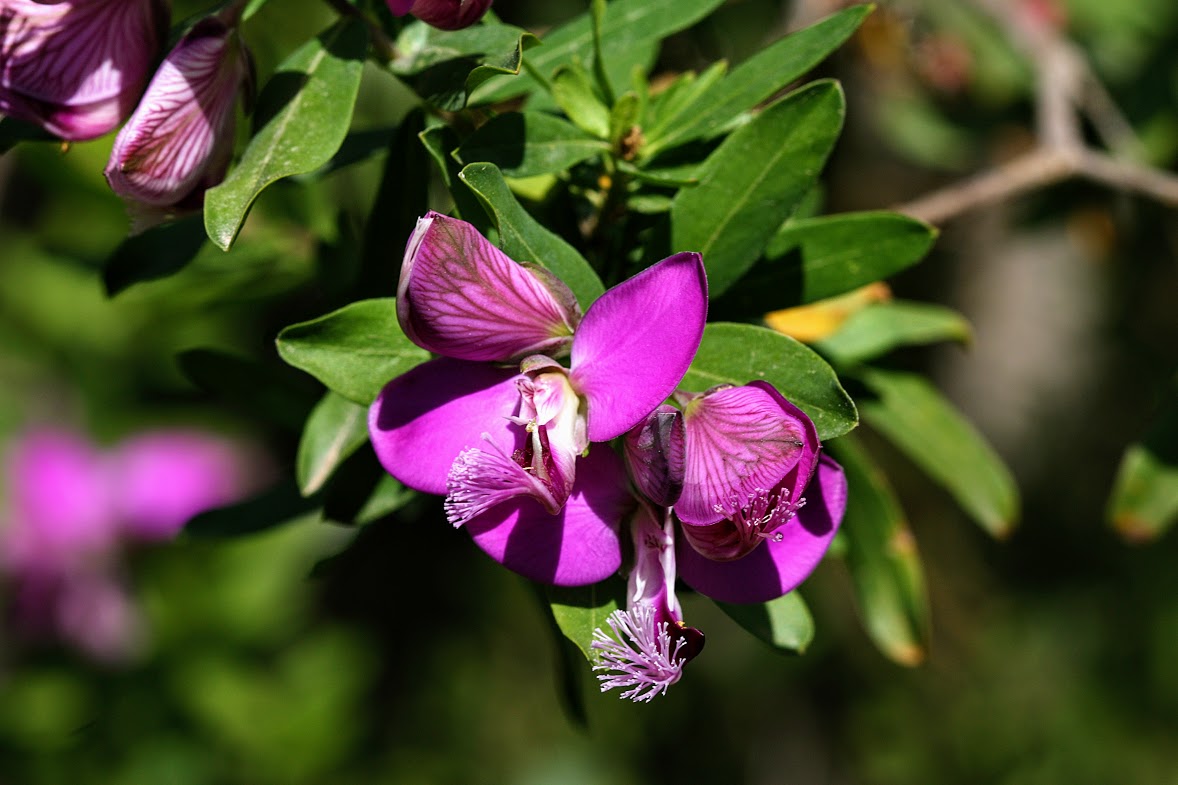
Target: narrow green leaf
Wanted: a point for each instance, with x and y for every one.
(917, 419)
(678, 104)
(276, 506)
(525, 240)
(758, 78)
(336, 429)
(881, 556)
(1144, 501)
(525, 144)
(597, 10)
(572, 89)
(630, 32)
(354, 351)
(881, 327)
(753, 181)
(156, 253)
(833, 254)
(251, 8)
(784, 623)
(741, 353)
(579, 610)
(302, 118)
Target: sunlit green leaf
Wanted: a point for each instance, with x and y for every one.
(741, 353)
(573, 91)
(918, 420)
(881, 555)
(784, 623)
(445, 66)
(302, 117)
(354, 351)
(579, 610)
(525, 240)
(1144, 501)
(751, 183)
(882, 327)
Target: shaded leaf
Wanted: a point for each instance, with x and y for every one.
(741, 353)
(525, 240)
(336, 429)
(250, 387)
(13, 132)
(784, 623)
(276, 506)
(917, 419)
(753, 181)
(1144, 500)
(156, 253)
(302, 118)
(879, 328)
(354, 351)
(529, 143)
(881, 555)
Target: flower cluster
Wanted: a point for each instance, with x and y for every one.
(567, 475)
(72, 508)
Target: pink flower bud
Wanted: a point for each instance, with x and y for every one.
(446, 14)
(76, 67)
(179, 141)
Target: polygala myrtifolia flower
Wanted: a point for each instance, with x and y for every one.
(444, 14)
(76, 67)
(757, 506)
(179, 141)
(503, 429)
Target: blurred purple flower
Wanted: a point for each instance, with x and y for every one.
(490, 437)
(179, 141)
(445, 14)
(76, 67)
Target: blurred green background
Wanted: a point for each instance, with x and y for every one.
(315, 653)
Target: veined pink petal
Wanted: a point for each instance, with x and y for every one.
(577, 546)
(740, 440)
(636, 342)
(425, 418)
(446, 14)
(776, 567)
(180, 137)
(77, 67)
(655, 452)
(461, 297)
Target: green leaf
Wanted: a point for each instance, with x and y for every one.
(752, 182)
(917, 419)
(525, 240)
(302, 118)
(579, 610)
(573, 91)
(678, 104)
(756, 79)
(622, 118)
(276, 506)
(630, 32)
(833, 254)
(336, 429)
(881, 327)
(881, 555)
(439, 141)
(250, 387)
(354, 351)
(1144, 501)
(529, 143)
(156, 253)
(740, 353)
(445, 67)
(784, 623)
(386, 498)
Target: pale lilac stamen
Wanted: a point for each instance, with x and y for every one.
(638, 655)
(480, 479)
(761, 513)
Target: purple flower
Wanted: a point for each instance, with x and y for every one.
(508, 446)
(445, 14)
(759, 505)
(179, 141)
(76, 67)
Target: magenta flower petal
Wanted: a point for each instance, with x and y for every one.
(577, 546)
(400, 7)
(461, 297)
(180, 138)
(776, 567)
(77, 67)
(740, 441)
(425, 418)
(167, 477)
(655, 452)
(444, 14)
(636, 342)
